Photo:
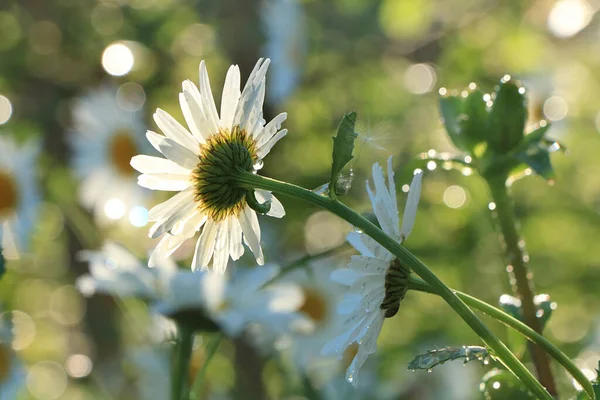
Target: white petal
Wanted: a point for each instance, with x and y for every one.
(170, 243)
(205, 246)
(161, 210)
(385, 211)
(249, 223)
(183, 210)
(174, 130)
(156, 165)
(392, 184)
(193, 115)
(249, 109)
(173, 150)
(270, 129)
(221, 252)
(368, 265)
(208, 102)
(345, 276)
(230, 97)
(410, 210)
(156, 182)
(266, 148)
(354, 239)
(236, 249)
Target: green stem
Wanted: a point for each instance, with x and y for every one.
(520, 276)
(511, 322)
(211, 349)
(252, 181)
(180, 379)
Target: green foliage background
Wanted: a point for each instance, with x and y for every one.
(354, 55)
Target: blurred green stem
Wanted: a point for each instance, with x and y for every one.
(180, 378)
(252, 181)
(519, 274)
(211, 349)
(499, 315)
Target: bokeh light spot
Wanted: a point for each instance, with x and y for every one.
(46, 380)
(568, 17)
(78, 365)
(419, 78)
(455, 196)
(138, 216)
(555, 108)
(114, 208)
(5, 109)
(131, 96)
(324, 230)
(24, 330)
(117, 59)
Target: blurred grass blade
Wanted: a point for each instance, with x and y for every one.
(211, 350)
(343, 146)
(2, 264)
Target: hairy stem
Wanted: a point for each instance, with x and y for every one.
(180, 380)
(511, 322)
(520, 276)
(252, 181)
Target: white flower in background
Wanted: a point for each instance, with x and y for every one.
(286, 43)
(376, 279)
(235, 303)
(12, 371)
(232, 304)
(198, 162)
(320, 320)
(19, 196)
(105, 136)
(115, 271)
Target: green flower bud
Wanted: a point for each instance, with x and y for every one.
(507, 117)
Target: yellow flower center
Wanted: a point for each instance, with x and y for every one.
(5, 361)
(315, 306)
(121, 149)
(9, 195)
(220, 157)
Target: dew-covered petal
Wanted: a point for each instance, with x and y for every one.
(277, 209)
(249, 223)
(205, 246)
(167, 207)
(266, 148)
(231, 96)
(173, 150)
(208, 102)
(410, 211)
(174, 130)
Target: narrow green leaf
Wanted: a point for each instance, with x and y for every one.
(433, 358)
(343, 145)
(536, 135)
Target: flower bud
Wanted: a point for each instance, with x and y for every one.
(465, 119)
(507, 117)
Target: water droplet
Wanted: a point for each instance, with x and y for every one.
(358, 230)
(429, 370)
(259, 164)
(486, 361)
(412, 370)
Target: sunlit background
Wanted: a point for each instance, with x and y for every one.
(83, 78)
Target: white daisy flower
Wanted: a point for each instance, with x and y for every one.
(376, 279)
(231, 304)
(12, 371)
(105, 136)
(198, 162)
(236, 303)
(19, 196)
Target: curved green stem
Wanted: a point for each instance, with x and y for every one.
(252, 181)
(179, 380)
(511, 322)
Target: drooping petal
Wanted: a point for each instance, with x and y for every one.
(170, 243)
(181, 211)
(270, 130)
(249, 223)
(410, 210)
(236, 249)
(163, 209)
(205, 246)
(277, 209)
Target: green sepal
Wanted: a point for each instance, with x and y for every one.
(538, 158)
(507, 117)
(343, 146)
(255, 205)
